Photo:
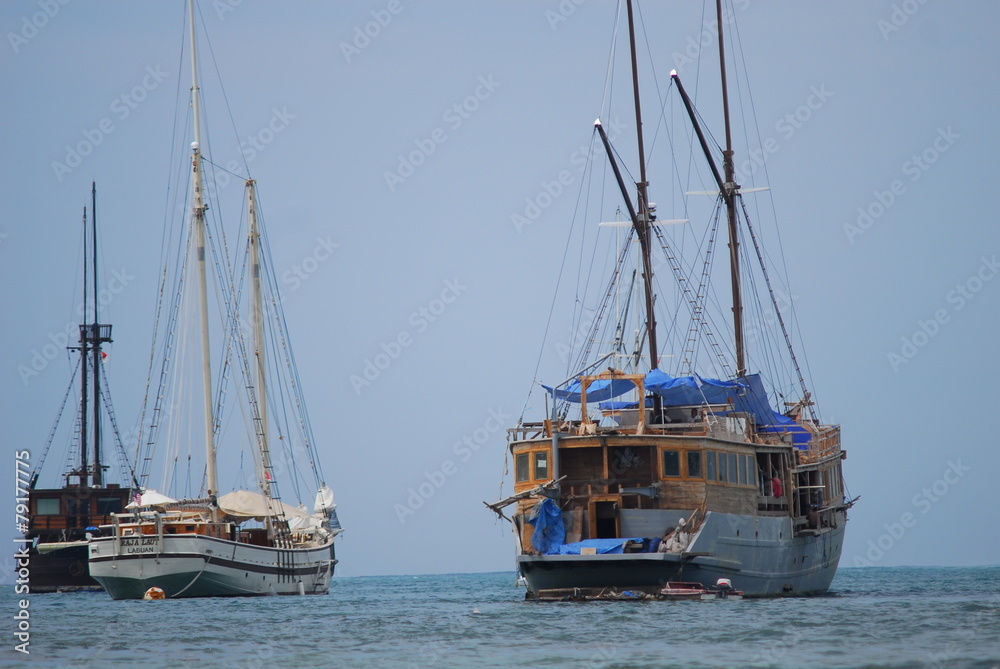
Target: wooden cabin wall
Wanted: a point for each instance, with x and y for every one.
(581, 464)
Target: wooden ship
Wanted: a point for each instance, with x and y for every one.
(60, 519)
(692, 479)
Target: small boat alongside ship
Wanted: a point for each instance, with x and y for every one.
(673, 591)
(244, 542)
(666, 483)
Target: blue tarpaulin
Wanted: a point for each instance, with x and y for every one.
(603, 546)
(550, 532)
(598, 391)
(746, 395)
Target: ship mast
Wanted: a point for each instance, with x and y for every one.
(258, 336)
(643, 223)
(84, 374)
(198, 221)
(642, 219)
(729, 191)
(95, 333)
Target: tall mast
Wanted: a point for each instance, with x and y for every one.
(258, 335)
(729, 191)
(84, 375)
(198, 221)
(95, 333)
(643, 222)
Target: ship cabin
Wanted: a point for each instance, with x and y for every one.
(65, 514)
(627, 472)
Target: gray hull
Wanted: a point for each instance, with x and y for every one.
(759, 555)
(200, 566)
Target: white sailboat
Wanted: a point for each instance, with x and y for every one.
(244, 542)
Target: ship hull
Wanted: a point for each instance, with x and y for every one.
(60, 570)
(201, 566)
(759, 555)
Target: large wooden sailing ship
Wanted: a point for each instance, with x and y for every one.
(693, 479)
(245, 542)
(60, 519)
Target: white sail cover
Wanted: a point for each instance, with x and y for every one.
(246, 504)
(324, 499)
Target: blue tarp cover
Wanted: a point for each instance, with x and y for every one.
(746, 394)
(603, 546)
(598, 391)
(550, 532)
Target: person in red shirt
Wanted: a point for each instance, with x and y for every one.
(776, 488)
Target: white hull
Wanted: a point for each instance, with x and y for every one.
(202, 566)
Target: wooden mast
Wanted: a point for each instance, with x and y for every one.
(95, 333)
(643, 222)
(729, 191)
(198, 221)
(84, 340)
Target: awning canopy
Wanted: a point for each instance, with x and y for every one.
(150, 498)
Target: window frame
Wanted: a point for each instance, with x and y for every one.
(48, 501)
(540, 455)
(700, 460)
(663, 459)
(524, 458)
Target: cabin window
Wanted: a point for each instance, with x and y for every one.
(733, 469)
(671, 463)
(108, 505)
(541, 466)
(47, 506)
(710, 466)
(694, 464)
(521, 467)
(743, 470)
(723, 468)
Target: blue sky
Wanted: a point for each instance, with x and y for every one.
(877, 122)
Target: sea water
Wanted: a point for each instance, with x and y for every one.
(873, 617)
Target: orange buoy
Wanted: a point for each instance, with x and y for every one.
(154, 593)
